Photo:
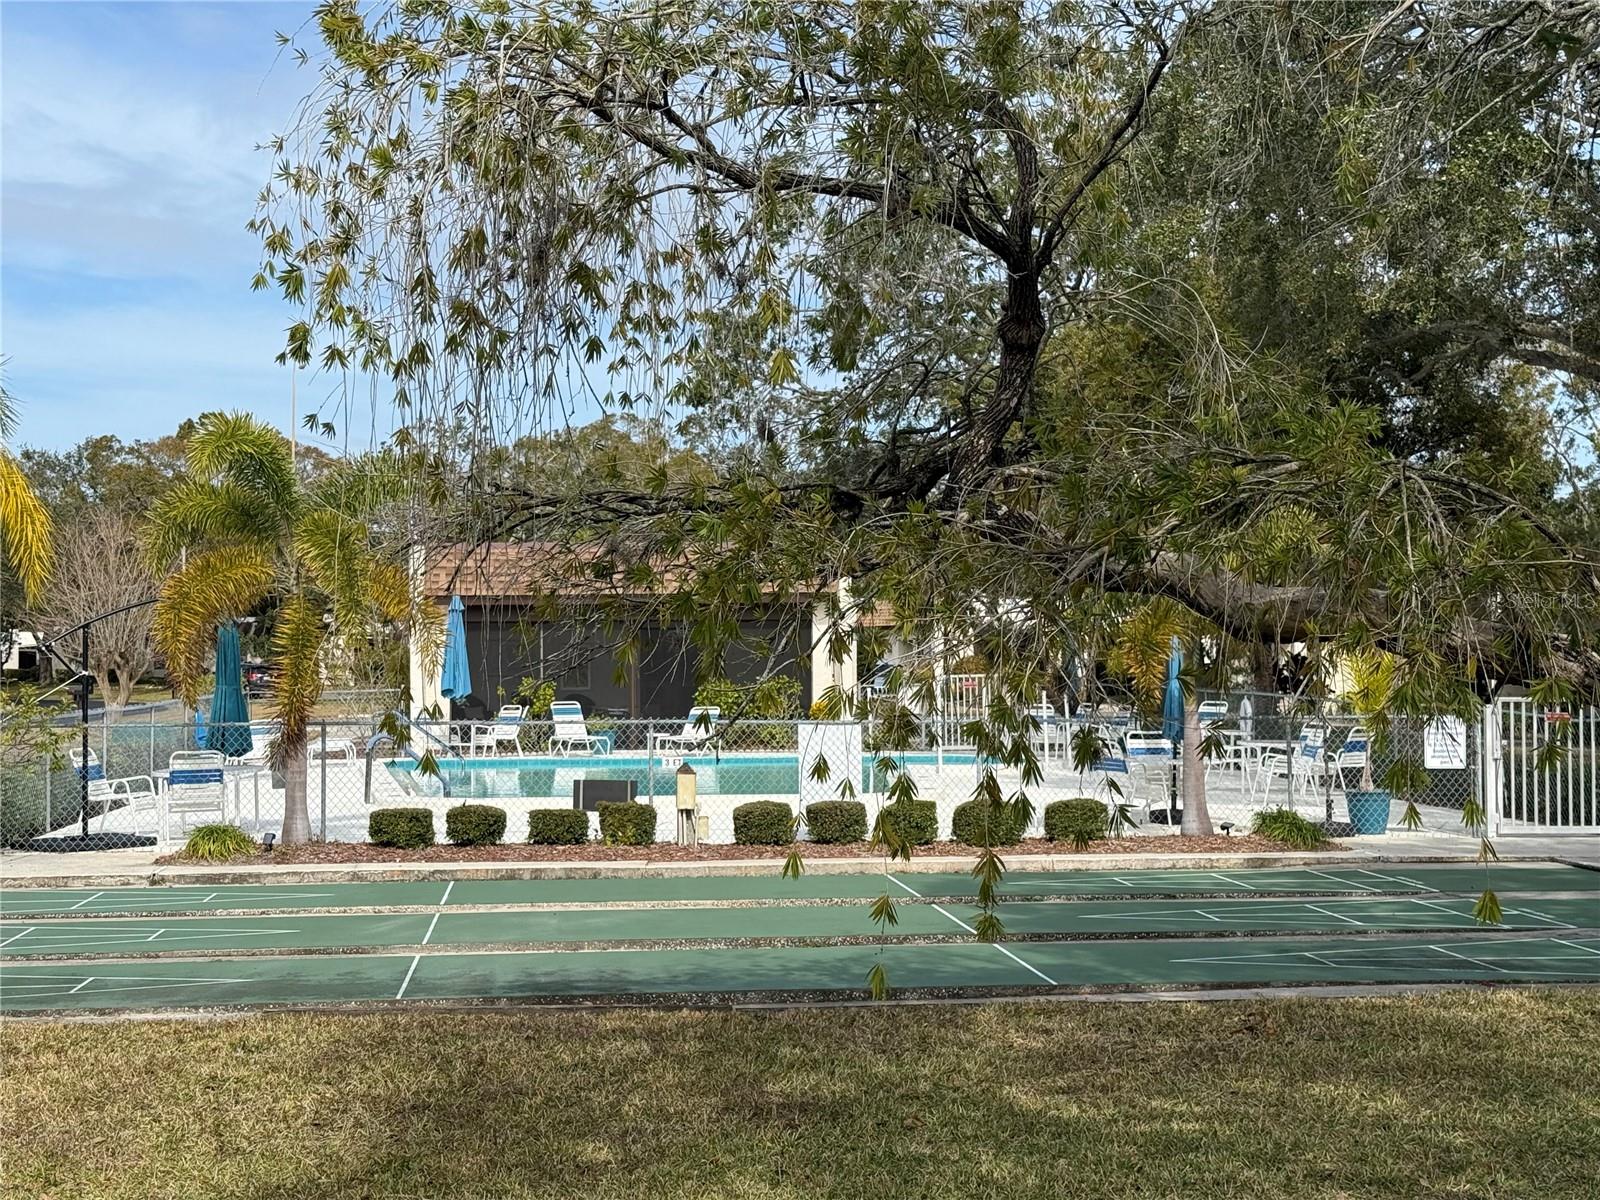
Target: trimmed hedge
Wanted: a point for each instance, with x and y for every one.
(967, 824)
(475, 825)
(917, 821)
(835, 821)
(1079, 821)
(401, 828)
(763, 823)
(558, 827)
(627, 823)
(914, 820)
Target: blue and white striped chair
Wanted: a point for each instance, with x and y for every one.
(196, 783)
(570, 733)
(134, 793)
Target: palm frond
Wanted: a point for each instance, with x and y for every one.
(25, 528)
(335, 553)
(361, 486)
(246, 451)
(213, 586)
(297, 646)
(195, 512)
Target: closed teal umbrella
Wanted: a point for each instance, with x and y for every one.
(1172, 702)
(455, 678)
(229, 727)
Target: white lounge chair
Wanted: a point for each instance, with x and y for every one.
(196, 784)
(698, 729)
(571, 734)
(1212, 712)
(506, 728)
(260, 752)
(133, 792)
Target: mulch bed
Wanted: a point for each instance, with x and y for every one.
(363, 852)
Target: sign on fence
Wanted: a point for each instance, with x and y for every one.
(1444, 744)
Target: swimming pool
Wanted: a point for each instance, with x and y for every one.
(727, 775)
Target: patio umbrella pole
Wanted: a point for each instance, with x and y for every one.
(84, 680)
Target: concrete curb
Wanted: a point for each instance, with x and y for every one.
(392, 872)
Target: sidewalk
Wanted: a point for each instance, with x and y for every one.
(132, 868)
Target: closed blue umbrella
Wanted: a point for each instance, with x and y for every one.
(229, 727)
(455, 679)
(1172, 703)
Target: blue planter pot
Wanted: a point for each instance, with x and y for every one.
(1369, 811)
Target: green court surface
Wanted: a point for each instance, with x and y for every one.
(755, 937)
(1383, 879)
(125, 938)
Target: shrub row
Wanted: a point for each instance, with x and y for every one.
(758, 823)
(1079, 821)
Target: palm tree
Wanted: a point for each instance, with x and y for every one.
(243, 529)
(1141, 650)
(25, 526)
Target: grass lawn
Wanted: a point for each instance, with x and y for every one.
(1477, 1095)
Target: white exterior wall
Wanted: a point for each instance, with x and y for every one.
(826, 673)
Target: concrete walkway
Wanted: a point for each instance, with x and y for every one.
(124, 868)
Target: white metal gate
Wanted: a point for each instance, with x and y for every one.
(1543, 772)
(962, 700)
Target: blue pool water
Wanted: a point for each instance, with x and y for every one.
(731, 775)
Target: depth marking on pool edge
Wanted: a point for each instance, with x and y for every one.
(939, 908)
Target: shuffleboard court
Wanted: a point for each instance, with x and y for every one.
(289, 932)
(1355, 880)
(836, 971)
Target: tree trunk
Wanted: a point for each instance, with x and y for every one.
(1021, 331)
(296, 818)
(1196, 819)
(102, 683)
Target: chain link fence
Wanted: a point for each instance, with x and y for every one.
(1272, 751)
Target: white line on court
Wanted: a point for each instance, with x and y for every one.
(1336, 916)
(1575, 946)
(1477, 962)
(1349, 883)
(431, 924)
(15, 936)
(36, 986)
(1236, 882)
(86, 899)
(1397, 879)
(46, 938)
(941, 909)
(406, 982)
(445, 899)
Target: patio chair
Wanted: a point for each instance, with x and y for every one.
(1150, 761)
(1351, 756)
(698, 730)
(1301, 768)
(1213, 712)
(571, 733)
(506, 728)
(196, 783)
(133, 792)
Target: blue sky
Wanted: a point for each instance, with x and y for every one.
(128, 169)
